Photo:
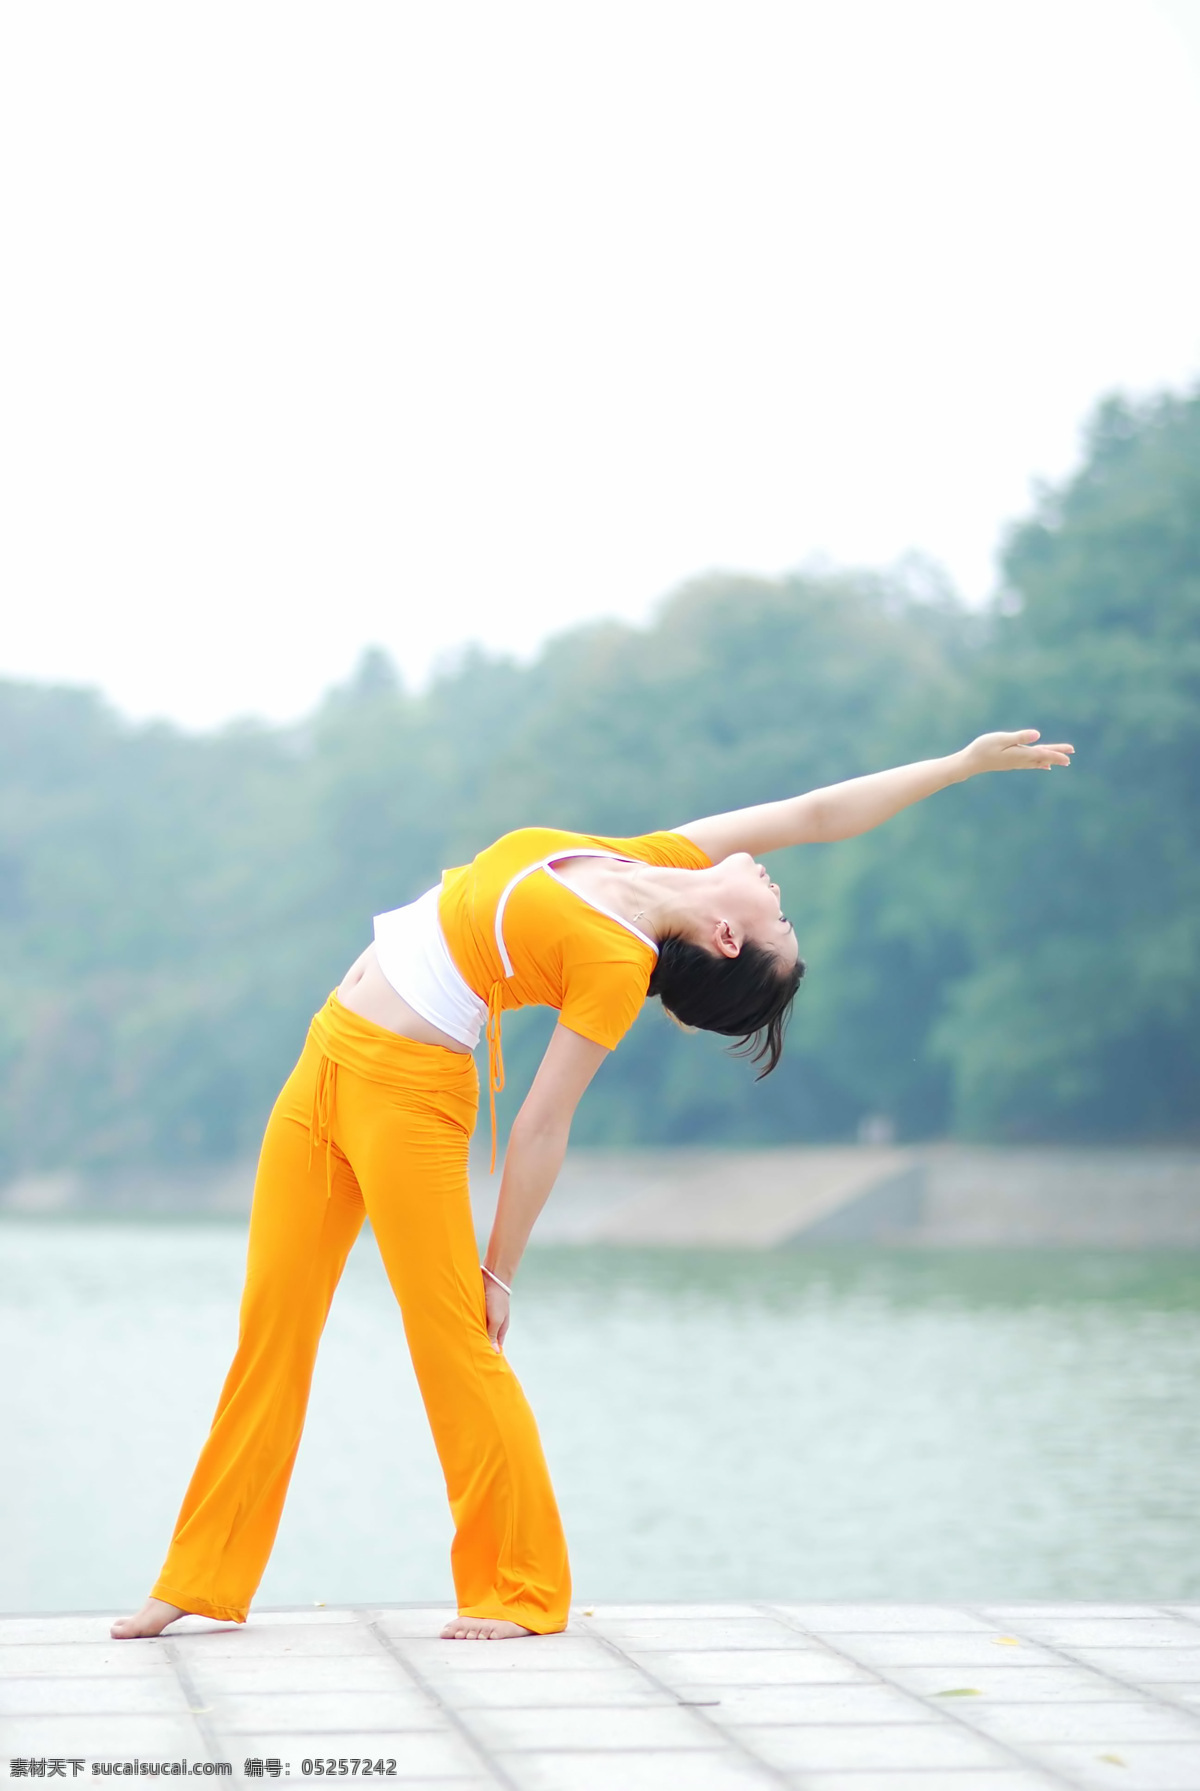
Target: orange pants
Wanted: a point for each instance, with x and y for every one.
(372, 1124)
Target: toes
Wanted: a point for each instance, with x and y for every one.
(482, 1629)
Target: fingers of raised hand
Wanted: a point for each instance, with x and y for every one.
(1026, 751)
(1044, 757)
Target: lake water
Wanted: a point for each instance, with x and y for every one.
(795, 1425)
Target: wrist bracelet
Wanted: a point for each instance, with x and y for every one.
(495, 1278)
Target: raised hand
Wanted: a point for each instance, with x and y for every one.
(1022, 751)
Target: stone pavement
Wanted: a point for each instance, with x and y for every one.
(832, 1697)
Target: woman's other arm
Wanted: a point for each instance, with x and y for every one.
(537, 1145)
(839, 811)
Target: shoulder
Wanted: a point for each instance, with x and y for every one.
(526, 846)
(533, 840)
(668, 847)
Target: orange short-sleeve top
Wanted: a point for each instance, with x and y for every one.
(520, 937)
(508, 919)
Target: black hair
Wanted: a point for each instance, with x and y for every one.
(748, 998)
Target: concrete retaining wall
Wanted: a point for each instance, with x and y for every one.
(935, 1196)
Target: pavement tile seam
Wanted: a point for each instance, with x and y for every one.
(954, 1778)
(336, 1713)
(675, 1704)
(1144, 1644)
(1105, 1615)
(346, 1741)
(1055, 1607)
(1060, 1756)
(591, 1730)
(1118, 1724)
(495, 1773)
(234, 1739)
(99, 1739)
(1089, 1665)
(1182, 1692)
(930, 1720)
(1087, 1648)
(200, 1710)
(470, 1693)
(266, 1693)
(735, 1616)
(830, 1720)
(718, 1746)
(31, 1660)
(728, 1739)
(923, 1746)
(944, 1712)
(950, 1659)
(547, 1654)
(819, 1631)
(748, 1636)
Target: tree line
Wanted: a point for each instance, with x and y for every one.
(1017, 959)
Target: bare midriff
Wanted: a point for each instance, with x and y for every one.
(366, 991)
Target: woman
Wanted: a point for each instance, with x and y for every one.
(376, 1119)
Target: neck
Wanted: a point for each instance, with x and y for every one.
(660, 893)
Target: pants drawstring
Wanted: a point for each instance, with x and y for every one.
(495, 1058)
(320, 1125)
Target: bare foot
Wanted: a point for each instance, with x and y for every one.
(151, 1620)
(482, 1629)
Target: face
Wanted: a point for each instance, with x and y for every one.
(749, 908)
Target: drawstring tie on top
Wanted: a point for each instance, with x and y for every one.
(495, 1057)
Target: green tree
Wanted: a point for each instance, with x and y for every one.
(1080, 900)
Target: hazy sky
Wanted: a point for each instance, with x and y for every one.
(421, 322)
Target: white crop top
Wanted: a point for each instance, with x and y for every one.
(415, 959)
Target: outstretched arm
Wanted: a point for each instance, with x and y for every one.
(839, 811)
(537, 1145)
